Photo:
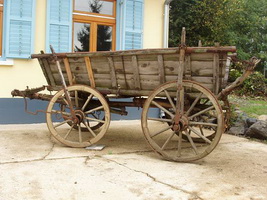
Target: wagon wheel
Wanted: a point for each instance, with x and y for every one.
(202, 120)
(85, 101)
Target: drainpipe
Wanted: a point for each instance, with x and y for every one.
(166, 23)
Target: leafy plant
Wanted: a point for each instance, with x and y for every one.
(254, 86)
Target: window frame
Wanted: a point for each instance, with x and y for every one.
(97, 14)
(95, 19)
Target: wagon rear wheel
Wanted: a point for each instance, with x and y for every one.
(200, 126)
(90, 108)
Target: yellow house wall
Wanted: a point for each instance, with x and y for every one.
(25, 72)
(153, 23)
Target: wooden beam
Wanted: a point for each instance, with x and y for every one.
(90, 71)
(136, 77)
(216, 76)
(161, 69)
(112, 73)
(67, 67)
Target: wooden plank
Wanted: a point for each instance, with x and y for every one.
(44, 71)
(216, 73)
(67, 67)
(222, 69)
(124, 73)
(161, 69)
(112, 73)
(49, 72)
(90, 71)
(188, 70)
(136, 73)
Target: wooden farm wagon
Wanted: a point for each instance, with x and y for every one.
(185, 85)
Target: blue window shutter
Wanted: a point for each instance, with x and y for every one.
(133, 38)
(20, 28)
(130, 19)
(59, 25)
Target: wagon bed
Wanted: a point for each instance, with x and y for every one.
(137, 72)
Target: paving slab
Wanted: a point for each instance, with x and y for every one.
(35, 166)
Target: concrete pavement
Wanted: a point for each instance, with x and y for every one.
(34, 166)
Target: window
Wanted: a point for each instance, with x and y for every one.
(94, 25)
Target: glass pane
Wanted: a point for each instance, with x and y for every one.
(94, 6)
(104, 38)
(81, 36)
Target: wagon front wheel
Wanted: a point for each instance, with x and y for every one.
(200, 125)
(90, 108)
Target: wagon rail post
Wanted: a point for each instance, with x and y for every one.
(180, 90)
(66, 92)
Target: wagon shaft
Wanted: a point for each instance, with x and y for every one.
(34, 94)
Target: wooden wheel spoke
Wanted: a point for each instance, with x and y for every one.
(89, 129)
(202, 123)
(62, 123)
(161, 131)
(201, 130)
(76, 99)
(201, 112)
(65, 137)
(191, 142)
(97, 120)
(213, 128)
(66, 102)
(95, 109)
(163, 109)
(160, 120)
(199, 134)
(87, 101)
(60, 112)
(80, 133)
(167, 141)
(179, 149)
(169, 98)
(194, 103)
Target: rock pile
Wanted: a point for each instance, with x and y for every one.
(250, 127)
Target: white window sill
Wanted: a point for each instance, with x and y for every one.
(7, 62)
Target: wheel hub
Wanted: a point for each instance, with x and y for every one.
(182, 124)
(79, 116)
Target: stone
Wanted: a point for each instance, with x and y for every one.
(262, 117)
(237, 130)
(250, 121)
(258, 130)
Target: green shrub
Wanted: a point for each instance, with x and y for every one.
(254, 86)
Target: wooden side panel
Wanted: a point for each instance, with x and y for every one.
(140, 72)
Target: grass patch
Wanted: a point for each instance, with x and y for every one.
(252, 107)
